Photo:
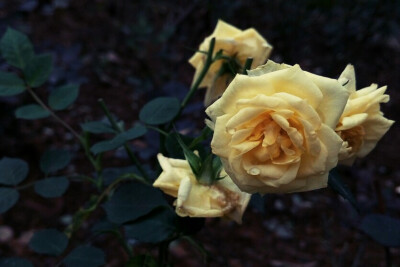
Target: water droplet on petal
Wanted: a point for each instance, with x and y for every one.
(254, 171)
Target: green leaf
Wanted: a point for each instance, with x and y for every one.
(172, 145)
(142, 261)
(15, 262)
(341, 188)
(206, 174)
(85, 256)
(111, 174)
(38, 70)
(191, 157)
(155, 227)
(205, 134)
(48, 241)
(10, 84)
(31, 112)
(97, 127)
(217, 166)
(383, 229)
(118, 140)
(8, 198)
(160, 110)
(54, 159)
(134, 132)
(63, 96)
(132, 201)
(13, 171)
(52, 187)
(104, 226)
(16, 48)
(108, 145)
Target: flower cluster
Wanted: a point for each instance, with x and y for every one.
(277, 128)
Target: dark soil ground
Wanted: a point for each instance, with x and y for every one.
(128, 52)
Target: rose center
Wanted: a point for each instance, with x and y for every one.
(276, 136)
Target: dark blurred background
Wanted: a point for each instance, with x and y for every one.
(127, 52)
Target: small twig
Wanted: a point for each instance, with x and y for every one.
(81, 139)
(119, 130)
(43, 105)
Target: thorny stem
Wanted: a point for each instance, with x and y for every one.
(127, 148)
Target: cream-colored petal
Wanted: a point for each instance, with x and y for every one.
(243, 116)
(184, 191)
(334, 99)
(270, 66)
(375, 128)
(251, 44)
(221, 138)
(363, 103)
(352, 121)
(327, 159)
(291, 80)
(225, 30)
(348, 78)
(302, 108)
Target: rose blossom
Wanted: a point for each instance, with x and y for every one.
(362, 124)
(235, 43)
(222, 198)
(274, 129)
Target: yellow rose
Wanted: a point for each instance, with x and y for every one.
(362, 123)
(235, 43)
(274, 129)
(222, 198)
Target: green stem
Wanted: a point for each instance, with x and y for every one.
(119, 130)
(157, 130)
(108, 115)
(22, 187)
(80, 177)
(95, 162)
(163, 253)
(136, 162)
(83, 213)
(124, 244)
(198, 246)
(67, 126)
(195, 86)
(58, 119)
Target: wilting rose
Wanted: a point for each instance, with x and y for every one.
(274, 129)
(222, 198)
(362, 124)
(235, 43)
